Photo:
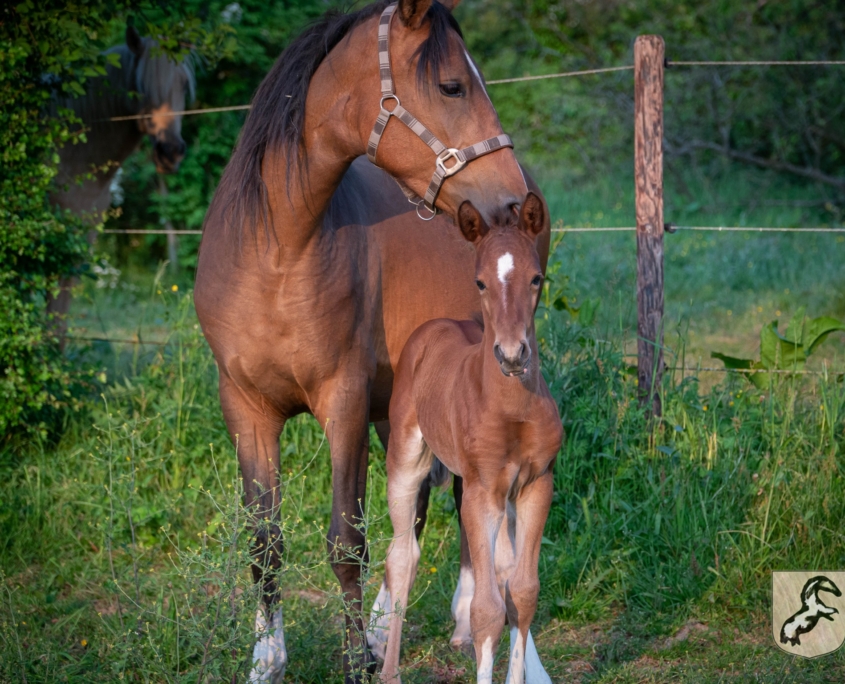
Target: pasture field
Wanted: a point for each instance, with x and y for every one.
(123, 544)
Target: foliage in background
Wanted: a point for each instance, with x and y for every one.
(48, 49)
(786, 352)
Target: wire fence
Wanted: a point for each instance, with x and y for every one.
(670, 228)
(524, 79)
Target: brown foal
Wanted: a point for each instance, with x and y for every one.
(473, 395)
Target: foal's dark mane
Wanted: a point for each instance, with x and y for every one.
(276, 119)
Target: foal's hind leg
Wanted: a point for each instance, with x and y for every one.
(461, 639)
(255, 432)
(380, 615)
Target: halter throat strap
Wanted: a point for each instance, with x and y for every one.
(448, 160)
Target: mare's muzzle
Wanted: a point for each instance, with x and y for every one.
(515, 362)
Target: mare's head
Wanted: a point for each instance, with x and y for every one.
(509, 278)
(438, 82)
(163, 88)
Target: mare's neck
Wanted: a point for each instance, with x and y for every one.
(299, 196)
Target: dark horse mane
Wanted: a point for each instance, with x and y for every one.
(276, 119)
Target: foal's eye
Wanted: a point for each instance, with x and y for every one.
(537, 280)
(452, 89)
(481, 286)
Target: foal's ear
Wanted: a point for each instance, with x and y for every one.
(471, 223)
(532, 217)
(412, 12)
(134, 41)
(450, 4)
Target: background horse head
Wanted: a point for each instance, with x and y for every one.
(147, 83)
(162, 86)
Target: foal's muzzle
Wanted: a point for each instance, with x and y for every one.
(515, 363)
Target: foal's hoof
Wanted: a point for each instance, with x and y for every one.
(463, 646)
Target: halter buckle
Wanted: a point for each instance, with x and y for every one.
(446, 155)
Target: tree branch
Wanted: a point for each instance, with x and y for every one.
(775, 164)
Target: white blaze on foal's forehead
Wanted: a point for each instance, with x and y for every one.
(505, 266)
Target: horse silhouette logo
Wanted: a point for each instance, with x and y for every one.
(808, 612)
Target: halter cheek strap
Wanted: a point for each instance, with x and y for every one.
(456, 158)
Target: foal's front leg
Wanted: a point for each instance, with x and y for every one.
(523, 586)
(408, 466)
(482, 513)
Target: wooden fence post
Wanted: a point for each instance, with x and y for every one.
(648, 172)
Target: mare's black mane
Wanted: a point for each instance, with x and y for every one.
(276, 119)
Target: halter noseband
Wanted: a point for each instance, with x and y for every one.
(444, 154)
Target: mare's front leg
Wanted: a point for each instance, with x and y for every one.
(481, 514)
(343, 412)
(255, 430)
(522, 587)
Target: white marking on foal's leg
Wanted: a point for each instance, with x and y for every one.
(535, 673)
(269, 657)
(462, 636)
(379, 622)
(516, 664)
(485, 667)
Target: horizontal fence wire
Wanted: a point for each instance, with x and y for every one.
(521, 79)
(153, 231)
(751, 371)
(820, 62)
(718, 229)
(574, 229)
(518, 79)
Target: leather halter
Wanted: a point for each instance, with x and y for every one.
(444, 154)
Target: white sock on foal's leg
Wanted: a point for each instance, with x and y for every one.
(462, 636)
(379, 626)
(535, 673)
(269, 657)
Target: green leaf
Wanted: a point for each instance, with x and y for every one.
(817, 330)
(777, 352)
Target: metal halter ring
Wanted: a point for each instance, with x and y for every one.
(421, 203)
(446, 155)
(389, 97)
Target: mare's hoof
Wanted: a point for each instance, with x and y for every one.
(463, 646)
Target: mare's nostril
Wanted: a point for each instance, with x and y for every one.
(497, 352)
(182, 147)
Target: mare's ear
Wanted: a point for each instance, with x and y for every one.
(450, 4)
(412, 12)
(134, 41)
(471, 223)
(532, 216)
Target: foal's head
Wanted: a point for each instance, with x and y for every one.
(509, 278)
(163, 86)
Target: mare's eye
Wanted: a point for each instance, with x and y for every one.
(452, 89)
(481, 286)
(537, 280)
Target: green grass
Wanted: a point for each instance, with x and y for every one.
(123, 545)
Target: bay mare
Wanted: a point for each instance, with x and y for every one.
(471, 397)
(314, 270)
(145, 83)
